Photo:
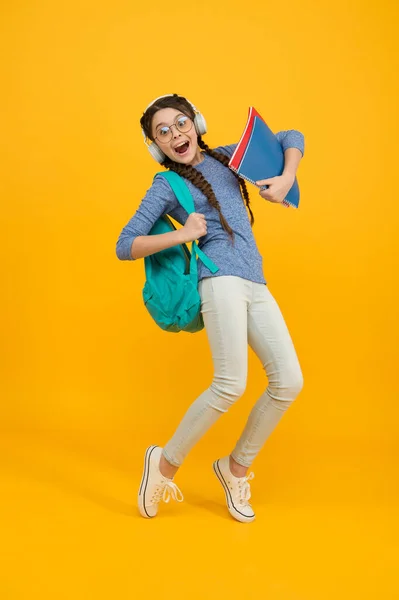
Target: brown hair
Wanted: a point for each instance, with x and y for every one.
(187, 171)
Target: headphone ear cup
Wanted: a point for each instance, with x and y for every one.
(156, 153)
(200, 124)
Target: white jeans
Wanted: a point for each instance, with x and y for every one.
(237, 312)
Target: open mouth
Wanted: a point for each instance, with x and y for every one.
(182, 148)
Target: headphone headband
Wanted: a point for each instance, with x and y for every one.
(169, 96)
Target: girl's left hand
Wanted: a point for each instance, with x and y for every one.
(278, 187)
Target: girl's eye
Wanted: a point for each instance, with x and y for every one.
(163, 131)
(183, 124)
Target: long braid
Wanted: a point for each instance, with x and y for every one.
(225, 161)
(199, 181)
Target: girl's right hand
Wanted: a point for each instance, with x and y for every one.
(194, 227)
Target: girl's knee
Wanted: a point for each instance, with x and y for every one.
(286, 389)
(227, 391)
(295, 385)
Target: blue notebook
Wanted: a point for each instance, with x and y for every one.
(259, 155)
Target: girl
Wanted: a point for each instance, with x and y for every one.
(236, 304)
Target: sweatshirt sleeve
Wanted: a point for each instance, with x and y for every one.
(227, 150)
(291, 139)
(158, 201)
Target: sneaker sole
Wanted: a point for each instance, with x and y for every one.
(144, 482)
(236, 514)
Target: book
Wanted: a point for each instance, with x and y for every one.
(259, 155)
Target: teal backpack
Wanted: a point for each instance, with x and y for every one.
(170, 292)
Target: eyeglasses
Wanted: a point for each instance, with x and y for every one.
(182, 124)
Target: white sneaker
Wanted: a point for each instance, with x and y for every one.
(237, 491)
(154, 486)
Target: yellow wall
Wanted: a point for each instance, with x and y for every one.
(80, 351)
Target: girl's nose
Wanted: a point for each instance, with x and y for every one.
(176, 132)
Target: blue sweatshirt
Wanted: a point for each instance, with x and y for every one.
(241, 259)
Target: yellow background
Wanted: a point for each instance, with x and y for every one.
(88, 380)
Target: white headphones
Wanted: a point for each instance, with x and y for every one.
(199, 124)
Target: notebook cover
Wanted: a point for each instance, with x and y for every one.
(259, 155)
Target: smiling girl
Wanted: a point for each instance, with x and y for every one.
(237, 306)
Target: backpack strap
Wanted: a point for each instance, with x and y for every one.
(185, 199)
(207, 261)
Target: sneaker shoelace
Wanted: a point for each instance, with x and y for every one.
(244, 489)
(166, 491)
